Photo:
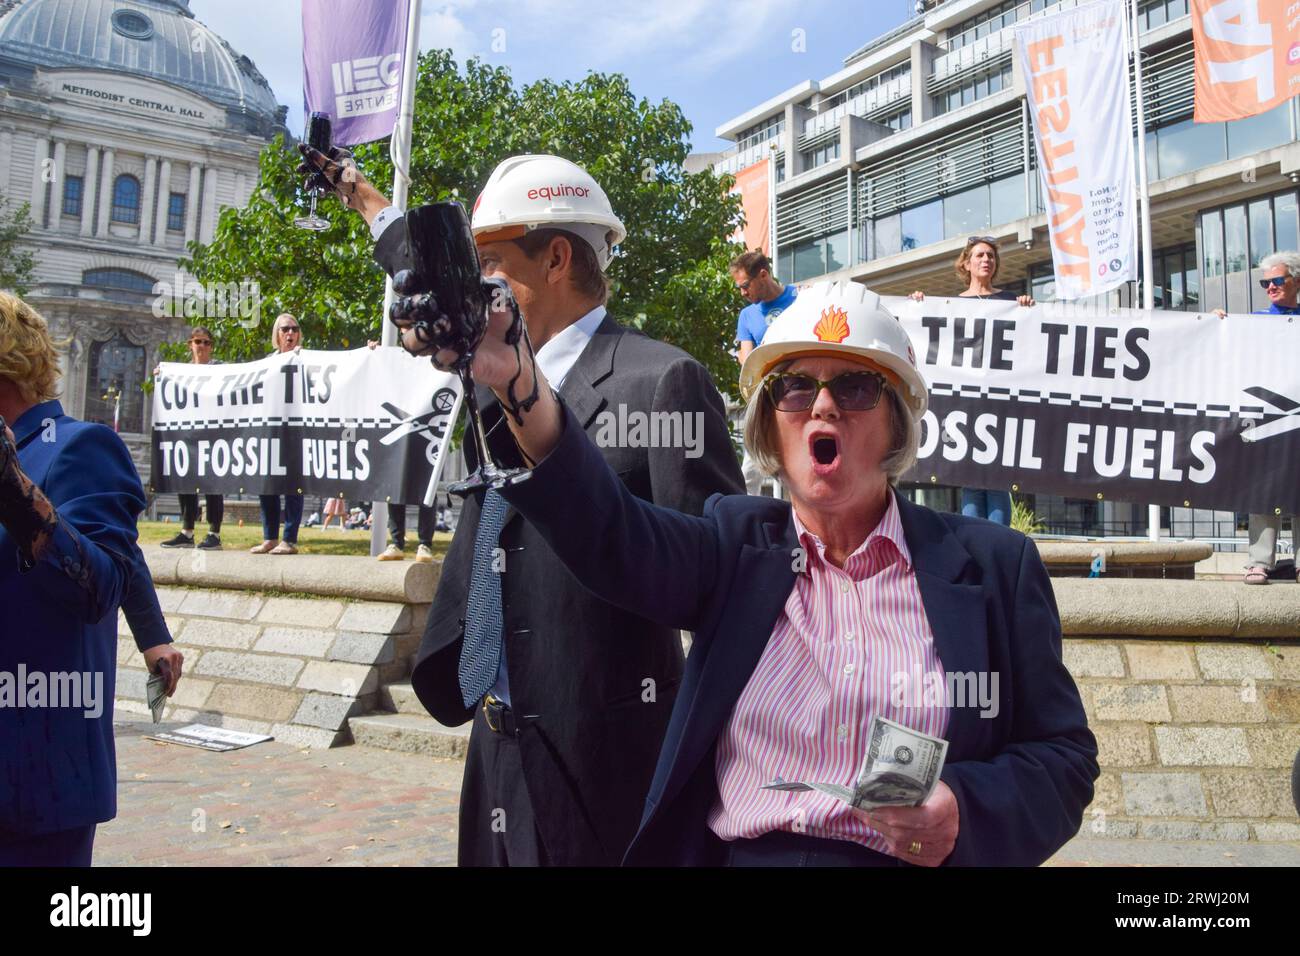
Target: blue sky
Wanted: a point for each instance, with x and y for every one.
(715, 60)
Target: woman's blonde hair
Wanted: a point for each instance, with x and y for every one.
(275, 329)
(764, 446)
(28, 356)
(960, 265)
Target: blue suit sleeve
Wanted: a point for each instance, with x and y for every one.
(655, 562)
(143, 613)
(1023, 805)
(94, 488)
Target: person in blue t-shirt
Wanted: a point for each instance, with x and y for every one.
(752, 273)
(1280, 279)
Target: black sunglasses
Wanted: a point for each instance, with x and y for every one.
(987, 239)
(201, 341)
(852, 391)
(1276, 282)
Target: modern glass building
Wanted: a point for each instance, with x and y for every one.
(922, 138)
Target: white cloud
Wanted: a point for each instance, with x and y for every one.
(269, 34)
(441, 27)
(693, 36)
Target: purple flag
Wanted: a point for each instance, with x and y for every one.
(353, 53)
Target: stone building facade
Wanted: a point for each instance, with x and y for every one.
(127, 126)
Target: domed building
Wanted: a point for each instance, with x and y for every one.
(127, 125)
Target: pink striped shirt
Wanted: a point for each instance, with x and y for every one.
(849, 644)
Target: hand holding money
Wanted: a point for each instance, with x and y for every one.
(898, 792)
(923, 835)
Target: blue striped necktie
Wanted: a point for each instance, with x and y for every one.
(480, 652)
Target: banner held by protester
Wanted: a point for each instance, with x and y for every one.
(1175, 408)
(368, 424)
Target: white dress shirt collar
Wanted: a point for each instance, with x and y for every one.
(561, 351)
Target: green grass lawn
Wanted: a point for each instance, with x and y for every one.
(310, 540)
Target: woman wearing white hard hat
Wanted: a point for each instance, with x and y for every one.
(815, 616)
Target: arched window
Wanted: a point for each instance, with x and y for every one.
(113, 394)
(126, 200)
(119, 279)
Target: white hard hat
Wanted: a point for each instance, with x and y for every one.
(840, 320)
(538, 192)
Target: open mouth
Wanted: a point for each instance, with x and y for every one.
(825, 449)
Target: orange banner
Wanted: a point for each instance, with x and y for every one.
(753, 184)
(1247, 56)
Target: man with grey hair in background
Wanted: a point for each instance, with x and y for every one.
(1280, 279)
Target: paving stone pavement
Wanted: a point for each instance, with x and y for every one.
(277, 805)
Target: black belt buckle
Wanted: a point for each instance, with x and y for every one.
(498, 715)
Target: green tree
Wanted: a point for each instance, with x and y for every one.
(671, 280)
(16, 262)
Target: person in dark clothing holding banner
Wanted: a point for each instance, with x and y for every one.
(200, 354)
(426, 520)
(1280, 279)
(569, 694)
(978, 266)
(286, 336)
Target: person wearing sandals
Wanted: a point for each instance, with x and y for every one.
(215, 505)
(286, 336)
(978, 266)
(1281, 282)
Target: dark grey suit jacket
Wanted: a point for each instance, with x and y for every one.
(592, 684)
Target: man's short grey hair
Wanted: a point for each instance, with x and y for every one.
(1290, 261)
(764, 446)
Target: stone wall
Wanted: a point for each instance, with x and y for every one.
(296, 667)
(1193, 691)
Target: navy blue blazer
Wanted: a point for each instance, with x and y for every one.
(57, 764)
(144, 614)
(1022, 778)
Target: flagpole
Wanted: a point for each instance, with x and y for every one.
(400, 153)
(1144, 200)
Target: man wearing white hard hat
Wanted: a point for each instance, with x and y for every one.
(856, 604)
(564, 739)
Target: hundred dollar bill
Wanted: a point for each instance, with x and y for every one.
(900, 769)
(156, 695)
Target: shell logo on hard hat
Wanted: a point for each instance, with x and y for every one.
(833, 326)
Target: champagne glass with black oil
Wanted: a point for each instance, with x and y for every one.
(447, 294)
(318, 137)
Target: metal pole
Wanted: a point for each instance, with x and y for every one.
(1144, 199)
(771, 208)
(400, 152)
